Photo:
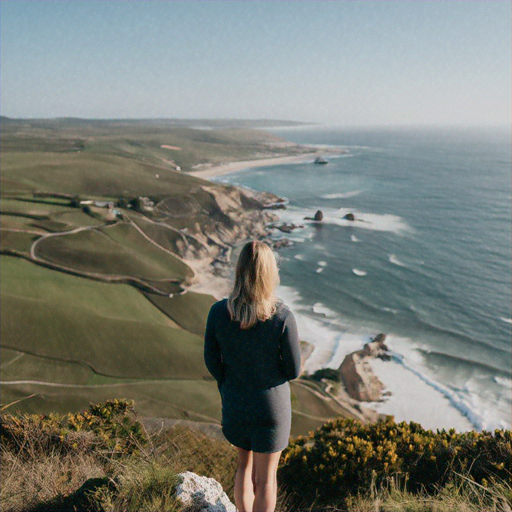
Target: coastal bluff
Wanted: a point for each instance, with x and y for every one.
(117, 256)
(353, 383)
(356, 372)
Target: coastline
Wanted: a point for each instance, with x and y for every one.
(359, 374)
(356, 385)
(217, 282)
(210, 171)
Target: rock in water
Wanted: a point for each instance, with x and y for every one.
(349, 216)
(202, 494)
(319, 216)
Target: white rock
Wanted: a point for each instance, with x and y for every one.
(202, 494)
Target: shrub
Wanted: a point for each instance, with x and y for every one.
(344, 456)
(109, 427)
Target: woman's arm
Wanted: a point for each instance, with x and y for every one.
(290, 348)
(212, 353)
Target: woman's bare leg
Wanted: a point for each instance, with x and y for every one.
(244, 493)
(265, 481)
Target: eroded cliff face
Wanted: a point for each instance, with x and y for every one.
(213, 218)
(356, 372)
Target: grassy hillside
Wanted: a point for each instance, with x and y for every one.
(94, 297)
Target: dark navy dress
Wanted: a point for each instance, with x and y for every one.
(252, 368)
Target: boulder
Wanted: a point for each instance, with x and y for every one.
(202, 494)
(349, 216)
(319, 216)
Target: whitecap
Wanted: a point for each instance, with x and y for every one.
(354, 238)
(358, 272)
(326, 331)
(342, 195)
(320, 309)
(503, 381)
(319, 270)
(371, 221)
(299, 257)
(322, 263)
(506, 320)
(393, 259)
(443, 407)
(333, 339)
(390, 310)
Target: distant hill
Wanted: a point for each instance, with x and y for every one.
(64, 122)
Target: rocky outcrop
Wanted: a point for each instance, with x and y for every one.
(202, 494)
(288, 228)
(213, 218)
(319, 216)
(277, 244)
(357, 375)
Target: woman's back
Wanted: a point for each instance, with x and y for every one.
(266, 355)
(252, 350)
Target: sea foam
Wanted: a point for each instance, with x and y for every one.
(442, 406)
(393, 259)
(342, 195)
(331, 338)
(335, 216)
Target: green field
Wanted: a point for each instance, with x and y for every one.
(118, 250)
(111, 328)
(78, 320)
(189, 311)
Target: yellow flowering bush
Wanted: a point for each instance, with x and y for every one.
(346, 456)
(111, 426)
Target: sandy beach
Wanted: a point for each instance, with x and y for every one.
(220, 286)
(210, 171)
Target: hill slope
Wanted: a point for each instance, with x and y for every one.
(102, 238)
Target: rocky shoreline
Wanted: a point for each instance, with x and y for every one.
(244, 214)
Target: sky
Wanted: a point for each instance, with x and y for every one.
(340, 62)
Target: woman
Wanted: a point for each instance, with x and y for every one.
(252, 349)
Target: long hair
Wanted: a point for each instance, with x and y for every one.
(256, 277)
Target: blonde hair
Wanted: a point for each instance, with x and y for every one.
(256, 277)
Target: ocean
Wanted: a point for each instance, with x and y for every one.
(427, 262)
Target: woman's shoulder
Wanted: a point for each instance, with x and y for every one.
(282, 310)
(218, 312)
(219, 305)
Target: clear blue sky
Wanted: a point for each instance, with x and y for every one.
(339, 62)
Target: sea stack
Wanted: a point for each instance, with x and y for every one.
(357, 375)
(319, 216)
